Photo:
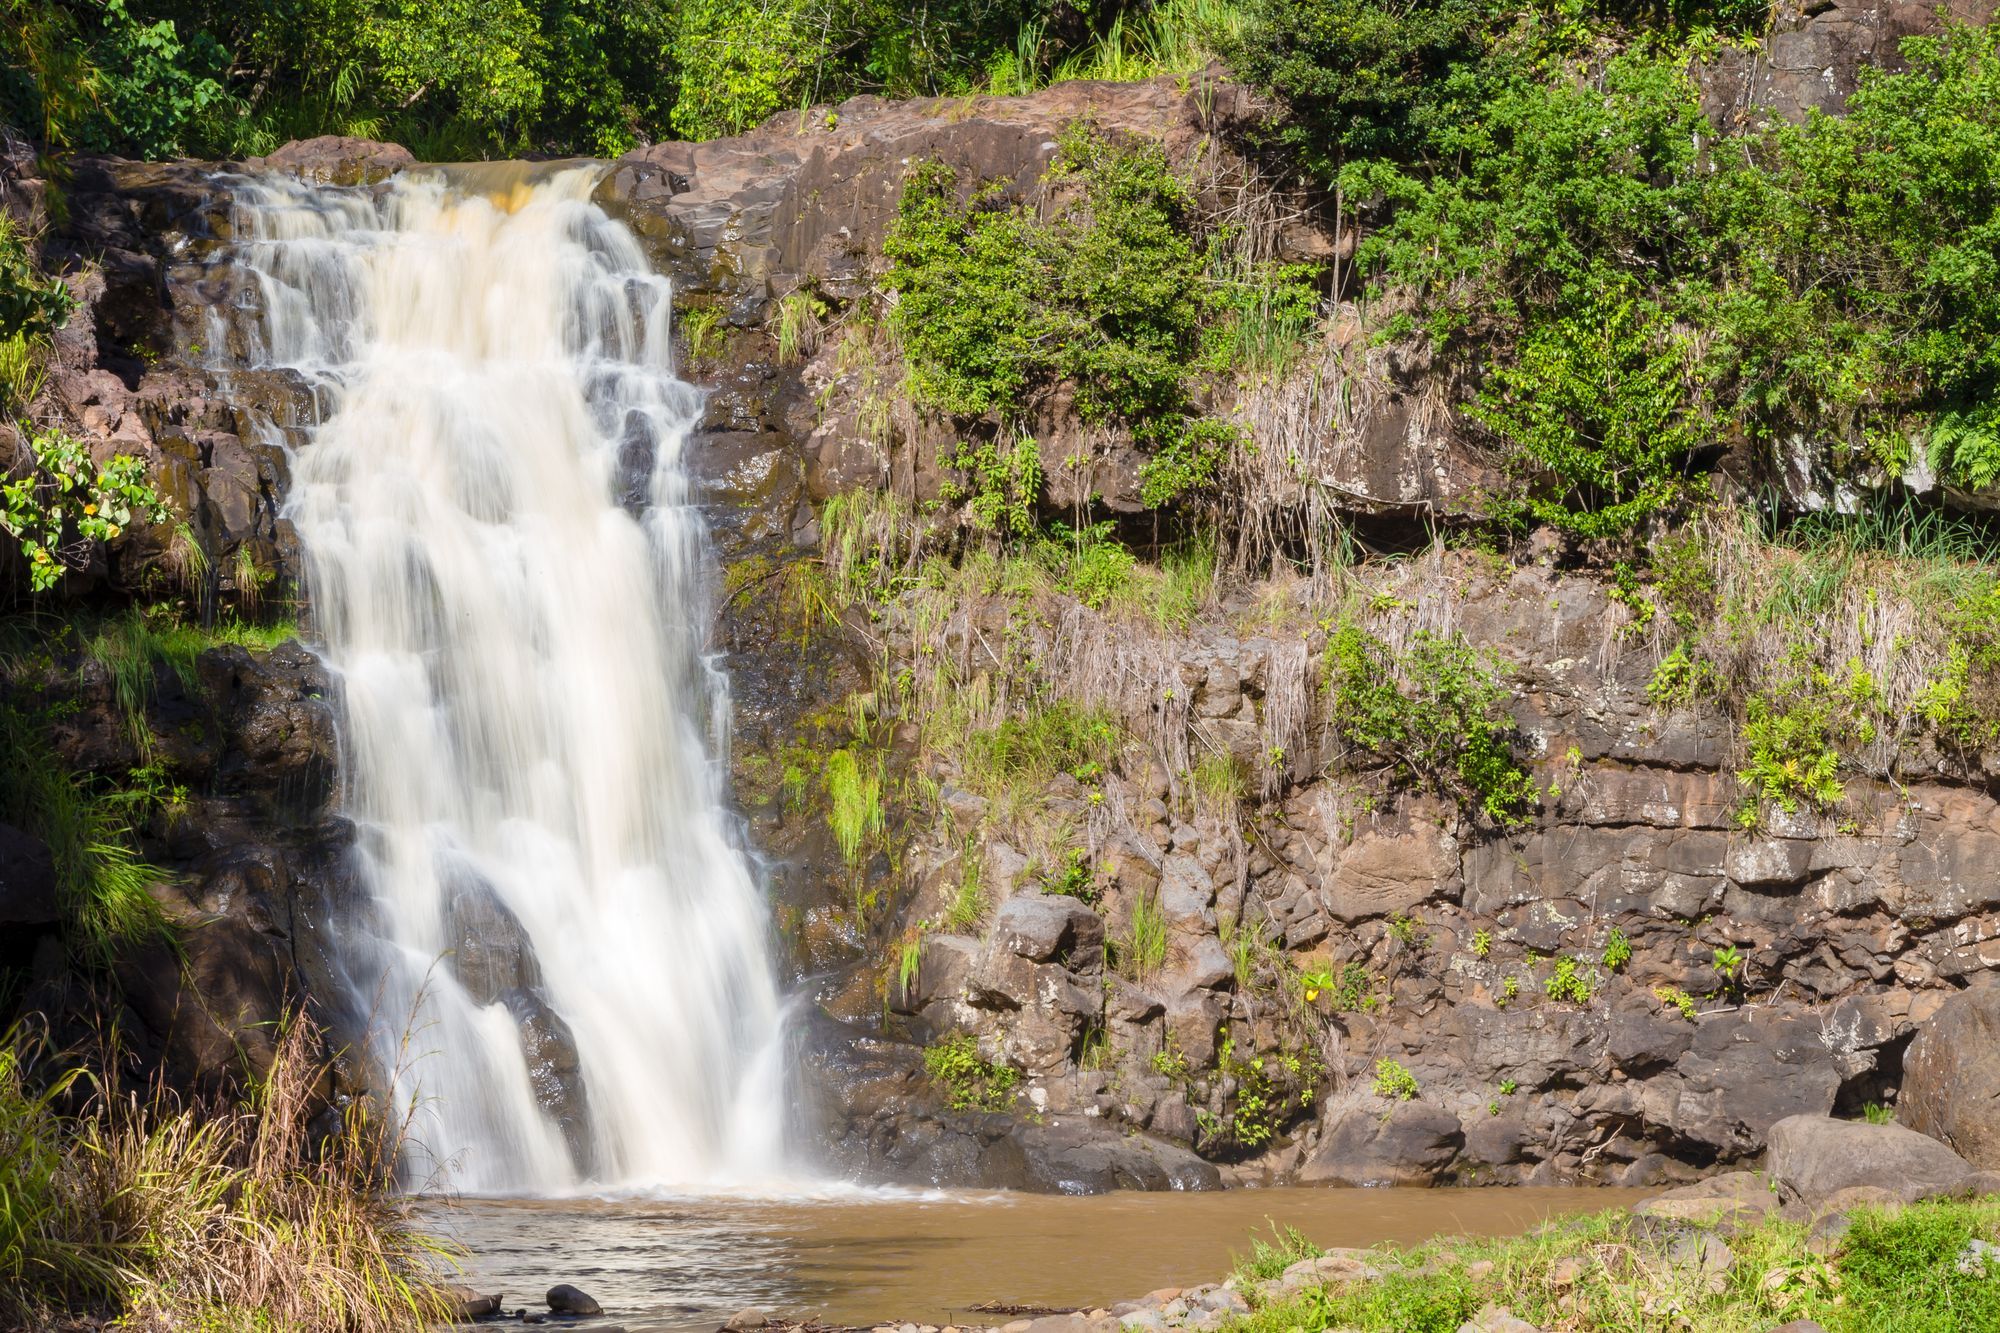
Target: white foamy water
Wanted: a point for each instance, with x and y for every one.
(505, 574)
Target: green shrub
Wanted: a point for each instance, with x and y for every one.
(741, 60)
(32, 304)
(1394, 1081)
(1142, 950)
(1617, 950)
(969, 1082)
(1597, 413)
(103, 885)
(1269, 1259)
(1568, 981)
(1077, 877)
(68, 503)
(1434, 711)
(1788, 739)
(854, 794)
(1061, 737)
(1902, 1272)
(1109, 296)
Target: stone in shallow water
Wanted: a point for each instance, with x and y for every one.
(565, 1299)
(748, 1318)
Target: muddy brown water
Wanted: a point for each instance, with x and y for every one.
(677, 1265)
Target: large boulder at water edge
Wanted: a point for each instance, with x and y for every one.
(1408, 1146)
(1813, 1156)
(1951, 1078)
(565, 1299)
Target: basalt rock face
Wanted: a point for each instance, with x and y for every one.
(1661, 1066)
(1814, 53)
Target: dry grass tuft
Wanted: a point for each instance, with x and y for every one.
(176, 1216)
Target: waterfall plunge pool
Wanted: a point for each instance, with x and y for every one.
(861, 1258)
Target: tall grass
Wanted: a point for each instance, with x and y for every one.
(1142, 950)
(854, 797)
(1141, 42)
(231, 1217)
(137, 646)
(103, 885)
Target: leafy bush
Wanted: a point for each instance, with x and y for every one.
(68, 503)
(1568, 981)
(103, 885)
(969, 1082)
(32, 303)
(996, 305)
(1434, 711)
(1789, 738)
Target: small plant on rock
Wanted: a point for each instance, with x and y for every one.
(1482, 942)
(1617, 950)
(969, 1082)
(1394, 1081)
(1568, 982)
(1677, 999)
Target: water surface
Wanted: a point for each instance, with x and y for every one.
(683, 1265)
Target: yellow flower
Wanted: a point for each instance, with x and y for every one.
(90, 509)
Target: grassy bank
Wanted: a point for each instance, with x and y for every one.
(1906, 1270)
(166, 1215)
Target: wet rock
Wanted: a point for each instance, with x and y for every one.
(745, 1319)
(1813, 1156)
(27, 880)
(1951, 1082)
(565, 1299)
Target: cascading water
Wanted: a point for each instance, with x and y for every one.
(567, 957)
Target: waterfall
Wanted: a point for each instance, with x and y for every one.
(564, 952)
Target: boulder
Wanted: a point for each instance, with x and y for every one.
(337, 159)
(1408, 1146)
(1045, 927)
(1730, 1200)
(1951, 1082)
(565, 1299)
(1813, 1156)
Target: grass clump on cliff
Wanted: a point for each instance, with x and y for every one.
(1903, 1271)
(173, 1216)
(103, 884)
